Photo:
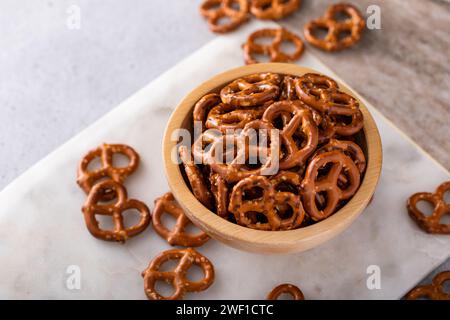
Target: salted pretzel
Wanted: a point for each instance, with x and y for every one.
(294, 291)
(288, 88)
(177, 236)
(434, 291)
(216, 10)
(273, 50)
(313, 184)
(86, 178)
(349, 148)
(314, 90)
(178, 276)
(333, 41)
(115, 210)
(247, 150)
(203, 106)
(300, 120)
(245, 211)
(273, 9)
(226, 117)
(252, 90)
(431, 224)
(195, 177)
(219, 189)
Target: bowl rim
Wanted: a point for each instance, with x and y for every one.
(268, 241)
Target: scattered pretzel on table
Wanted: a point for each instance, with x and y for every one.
(86, 178)
(434, 291)
(431, 224)
(290, 289)
(177, 236)
(273, 9)
(217, 10)
(115, 210)
(178, 276)
(273, 50)
(333, 41)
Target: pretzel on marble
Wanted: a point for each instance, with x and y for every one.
(273, 9)
(204, 106)
(195, 177)
(216, 10)
(247, 151)
(273, 50)
(434, 291)
(301, 120)
(177, 236)
(354, 25)
(86, 179)
(219, 189)
(94, 207)
(245, 211)
(313, 185)
(431, 224)
(294, 291)
(226, 117)
(252, 90)
(178, 276)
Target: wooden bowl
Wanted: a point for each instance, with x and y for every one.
(267, 241)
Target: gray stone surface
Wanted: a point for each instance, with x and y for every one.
(55, 81)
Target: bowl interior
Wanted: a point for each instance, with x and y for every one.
(267, 241)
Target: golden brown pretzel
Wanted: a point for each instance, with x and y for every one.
(219, 189)
(273, 9)
(195, 177)
(431, 224)
(115, 210)
(288, 88)
(301, 120)
(177, 236)
(245, 211)
(177, 277)
(226, 117)
(434, 291)
(273, 50)
(203, 106)
(314, 90)
(216, 10)
(294, 291)
(252, 90)
(354, 25)
(349, 148)
(86, 179)
(247, 149)
(313, 185)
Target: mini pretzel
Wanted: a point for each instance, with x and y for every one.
(349, 148)
(225, 10)
(86, 179)
(272, 50)
(219, 189)
(203, 106)
(195, 177)
(294, 291)
(245, 210)
(237, 169)
(115, 210)
(273, 9)
(300, 120)
(177, 277)
(177, 236)
(434, 291)
(431, 224)
(225, 117)
(333, 42)
(313, 185)
(313, 89)
(251, 90)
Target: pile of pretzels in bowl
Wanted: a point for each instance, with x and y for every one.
(307, 135)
